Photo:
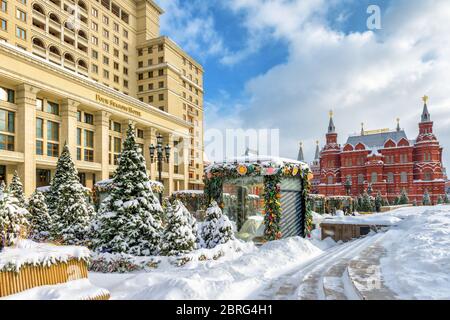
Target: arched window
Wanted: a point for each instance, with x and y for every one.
(390, 177)
(38, 8)
(82, 5)
(55, 18)
(374, 177)
(360, 179)
(38, 42)
(403, 177)
(54, 50)
(69, 57)
(82, 63)
(330, 180)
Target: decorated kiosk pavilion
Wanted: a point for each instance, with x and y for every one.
(270, 194)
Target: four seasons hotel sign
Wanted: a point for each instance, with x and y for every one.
(116, 105)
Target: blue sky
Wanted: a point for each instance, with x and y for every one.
(284, 63)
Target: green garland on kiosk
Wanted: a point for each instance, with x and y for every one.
(216, 174)
(272, 217)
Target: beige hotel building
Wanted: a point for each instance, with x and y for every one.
(78, 72)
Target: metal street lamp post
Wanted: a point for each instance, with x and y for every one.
(162, 155)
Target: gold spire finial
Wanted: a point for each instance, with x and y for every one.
(425, 99)
(317, 142)
(331, 113)
(398, 120)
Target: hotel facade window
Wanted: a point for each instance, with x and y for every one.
(39, 136)
(7, 95)
(117, 88)
(52, 139)
(7, 130)
(21, 33)
(3, 25)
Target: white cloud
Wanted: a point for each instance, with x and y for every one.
(365, 77)
(192, 27)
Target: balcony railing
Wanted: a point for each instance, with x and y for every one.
(54, 57)
(39, 16)
(69, 33)
(54, 24)
(69, 65)
(39, 51)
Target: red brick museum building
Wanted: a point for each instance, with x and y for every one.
(384, 159)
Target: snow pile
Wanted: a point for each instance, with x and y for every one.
(418, 256)
(72, 290)
(372, 219)
(28, 252)
(238, 275)
(123, 263)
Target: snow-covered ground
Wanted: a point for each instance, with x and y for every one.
(233, 276)
(416, 266)
(73, 290)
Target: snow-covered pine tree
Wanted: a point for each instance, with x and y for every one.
(16, 190)
(193, 223)
(360, 203)
(178, 237)
(403, 199)
(440, 200)
(129, 219)
(426, 198)
(355, 204)
(414, 203)
(40, 220)
(12, 219)
(68, 207)
(217, 228)
(366, 205)
(378, 202)
(446, 200)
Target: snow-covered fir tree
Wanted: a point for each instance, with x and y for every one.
(403, 198)
(16, 190)
(40, 220)
(178, 237)
(426, 201)
(378, 202)
(13, 222)
(217, 228)
(440, 200)
(193, 223)
(68, 207)
(360, 202)
(366, 205)
(129, 219)
(446, 200)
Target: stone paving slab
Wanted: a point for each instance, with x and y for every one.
(365, 273)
